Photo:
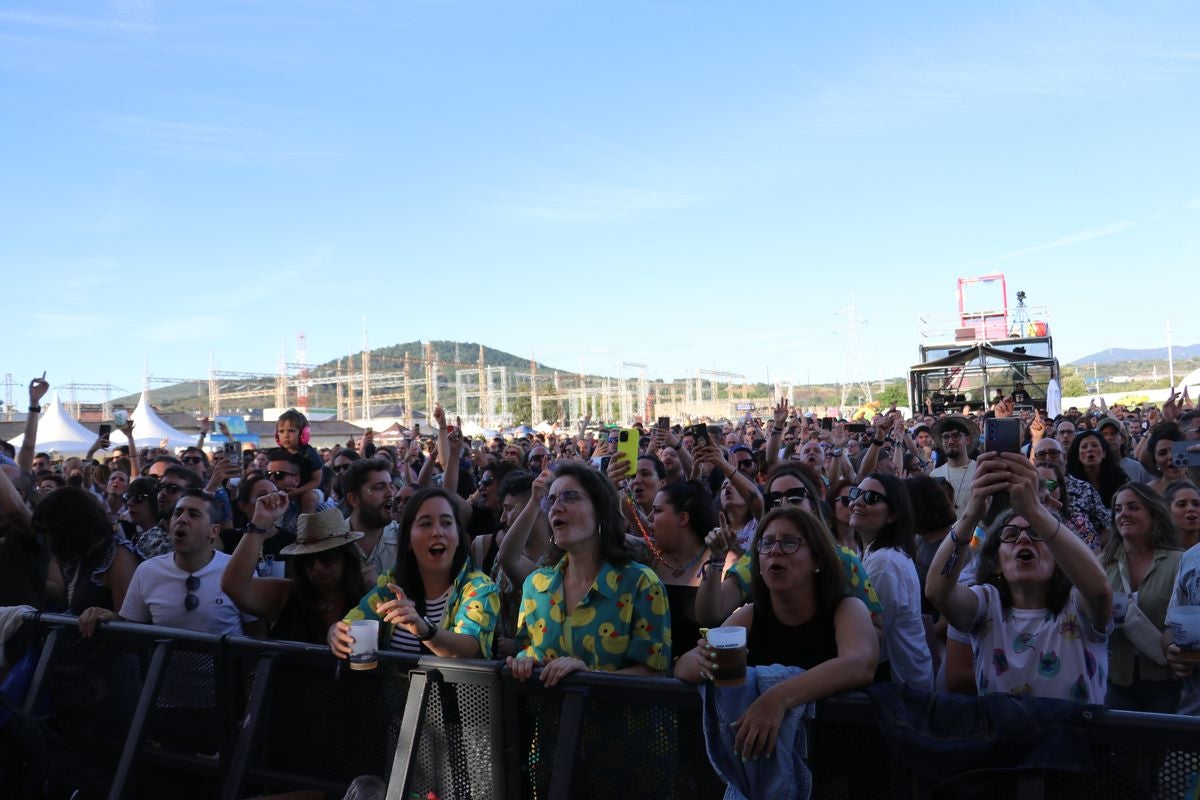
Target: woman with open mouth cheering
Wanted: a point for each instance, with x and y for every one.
(1040, 615)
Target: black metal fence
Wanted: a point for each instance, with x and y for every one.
(141, 711)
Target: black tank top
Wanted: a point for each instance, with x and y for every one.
(806, 645)
(685, 631)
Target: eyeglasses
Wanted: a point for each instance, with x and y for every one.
(569, 498)
(277, 475)
(787, 544)
(136, 498)
(793, 497)
(1010, 533)
(869, 496)
(948, 435)
(844, 500)
(1050, 483)
(190, 601)
(192, 460)
(339, 468)
(170, 488)
(1048, 455)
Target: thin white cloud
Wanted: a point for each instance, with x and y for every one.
(1192, 205)
(593, 202)
(1074, 238)
(201, 140)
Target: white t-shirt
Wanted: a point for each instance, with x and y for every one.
(894, 576)
(1035, 652)
(960, 480)
(158, 593)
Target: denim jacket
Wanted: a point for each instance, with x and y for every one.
(947, 737)
(785, 775)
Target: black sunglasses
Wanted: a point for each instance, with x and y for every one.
(869, 496)
(276, 475)
(792, 497)
(136, 498)
(170, 488)
(190, 601)
(192, 460)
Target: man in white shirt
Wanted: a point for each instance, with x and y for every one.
(956, 435)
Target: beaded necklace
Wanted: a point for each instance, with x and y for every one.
(655, 550)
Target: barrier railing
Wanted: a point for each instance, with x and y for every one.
(143, 711)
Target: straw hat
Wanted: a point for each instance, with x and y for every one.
(324, 530)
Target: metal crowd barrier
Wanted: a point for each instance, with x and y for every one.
(148, 712)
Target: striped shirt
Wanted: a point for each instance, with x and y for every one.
(405, 642)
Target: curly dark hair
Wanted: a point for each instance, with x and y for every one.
(1163, 430)
(607, 506)
(988, 570)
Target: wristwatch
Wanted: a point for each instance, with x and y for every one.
(430, 633)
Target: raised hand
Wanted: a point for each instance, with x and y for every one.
(37, 390)
(781, 412)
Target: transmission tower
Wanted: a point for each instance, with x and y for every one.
(853, 371)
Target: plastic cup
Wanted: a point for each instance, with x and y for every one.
(364, 652)
(729, 656)
(1185, 625)
(1120, 606)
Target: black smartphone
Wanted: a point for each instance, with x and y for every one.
(664, 423)
(699, 434)
(855, 427)
(105, 430)
(1002, 435)
(827, 423)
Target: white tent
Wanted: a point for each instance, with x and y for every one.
(149, 430)
(472, 428)
(59, 432)
(544, 427)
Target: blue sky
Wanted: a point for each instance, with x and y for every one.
(684, 184)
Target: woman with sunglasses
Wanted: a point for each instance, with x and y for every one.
(881, 516)
(434, 599)
(325, 574)
(1039, 616)
(1141, 560)
(724, 588)
(839, 499)
(595, 608)
(140, 520)
(803, 615)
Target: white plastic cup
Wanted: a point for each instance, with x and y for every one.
(1185, 625)
(1120, 606)
(364, 652)
(729, 656)
(728, 637)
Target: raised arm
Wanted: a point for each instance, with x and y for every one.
(37, 390)
(512, 547)
(261, 597)
(956, 602)
(778, 426)
(1080, 565)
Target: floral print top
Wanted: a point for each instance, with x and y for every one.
(474, 606)
(622, 620)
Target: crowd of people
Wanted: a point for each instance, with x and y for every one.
(880, 549)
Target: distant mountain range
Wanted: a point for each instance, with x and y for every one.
(1117, 354)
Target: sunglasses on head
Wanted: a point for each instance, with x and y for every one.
(869, 496)
(793, 497)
